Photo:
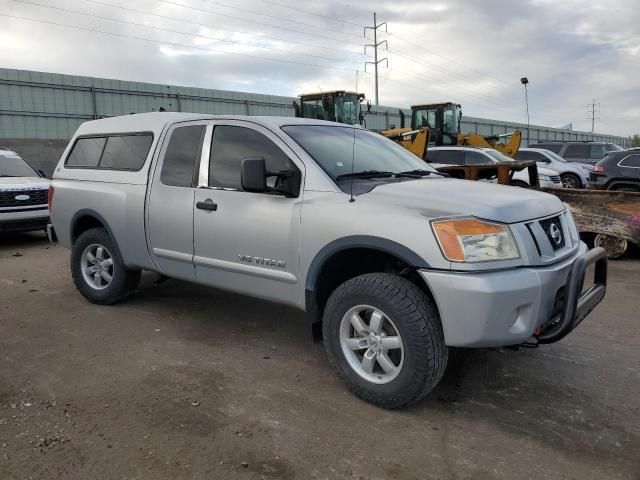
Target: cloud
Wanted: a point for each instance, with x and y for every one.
(470, 52)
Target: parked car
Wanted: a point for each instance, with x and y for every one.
(391, 261)
(572, 174)
(576, 151)
(441, 156)
(23, 195)
(617, 171)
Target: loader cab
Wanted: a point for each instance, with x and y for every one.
(337, 106)
(442, 119)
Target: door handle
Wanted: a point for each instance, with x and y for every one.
(207, 205)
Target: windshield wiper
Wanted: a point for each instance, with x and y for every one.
(365, 174)
(418, 173)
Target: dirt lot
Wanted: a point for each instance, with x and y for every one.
(184, 382)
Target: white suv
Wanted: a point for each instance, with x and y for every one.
(443, 156)
(23, 195)
(572, 174)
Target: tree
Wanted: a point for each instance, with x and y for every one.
(635, 140)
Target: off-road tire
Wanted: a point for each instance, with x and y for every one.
(125, 280)
(417, 321)
(519, 183)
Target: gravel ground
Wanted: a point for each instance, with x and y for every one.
(185, 382)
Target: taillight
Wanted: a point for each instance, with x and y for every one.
(50, 196)
(598, 169)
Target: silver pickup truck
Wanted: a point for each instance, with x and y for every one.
(391, 261)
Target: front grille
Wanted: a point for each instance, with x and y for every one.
(553, 230)
(555, 178)
(35, 197)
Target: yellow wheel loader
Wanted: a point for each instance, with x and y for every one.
(335, 106)
(441, 121)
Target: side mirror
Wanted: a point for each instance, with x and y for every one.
(253, 178)
(253, 175)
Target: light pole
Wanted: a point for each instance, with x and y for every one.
(524, 81)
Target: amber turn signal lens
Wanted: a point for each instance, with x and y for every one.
(449, 231)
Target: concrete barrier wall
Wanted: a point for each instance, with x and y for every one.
(41, 105)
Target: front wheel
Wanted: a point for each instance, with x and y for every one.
(98, 270)
(383, 336)
(570, 180)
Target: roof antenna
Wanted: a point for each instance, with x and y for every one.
(353, 161)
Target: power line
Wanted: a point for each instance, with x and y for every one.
(329, 17)
(449, 59)
(174, 44)
(126, 22)
(253, 12)
(204, 10)
(208, 25)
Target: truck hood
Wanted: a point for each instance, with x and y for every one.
(442, 197)
(23, 183)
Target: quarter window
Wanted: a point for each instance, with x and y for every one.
(86, 152)
(180, 167)
(110, 152)
(598, 151)
(632, 161)
(230, 145)
(126, 152)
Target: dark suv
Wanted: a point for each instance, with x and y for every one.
(617, 171)
(583, 152)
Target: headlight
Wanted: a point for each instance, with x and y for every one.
(546, 178)
(472, 240)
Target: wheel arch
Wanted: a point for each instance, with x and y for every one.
(86, 219)
(349, 257)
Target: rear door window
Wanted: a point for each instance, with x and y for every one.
(598, 152)
(181, 160)
(554, 147)
(126, 152)
(451, 157)
(86, 152)
(577, 151)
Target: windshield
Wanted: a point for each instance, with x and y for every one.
(14, 166)
(497, 155)
(347, 108)
(333, 148)
(555, 156)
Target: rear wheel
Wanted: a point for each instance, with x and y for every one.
(98, 270)
(614, 246)
(383, 336)
(570, 180)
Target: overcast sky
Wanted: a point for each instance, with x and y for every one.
(468, 51)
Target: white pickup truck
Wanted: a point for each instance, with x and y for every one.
(23, 195)
(392, 262)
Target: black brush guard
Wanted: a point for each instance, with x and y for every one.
(578, 305)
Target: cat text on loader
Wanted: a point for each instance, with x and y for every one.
(443, 122)
(335, 106)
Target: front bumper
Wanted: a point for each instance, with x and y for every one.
(29, 224)
(509, 307)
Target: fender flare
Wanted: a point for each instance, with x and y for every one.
(360, 241)
(87, 212)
